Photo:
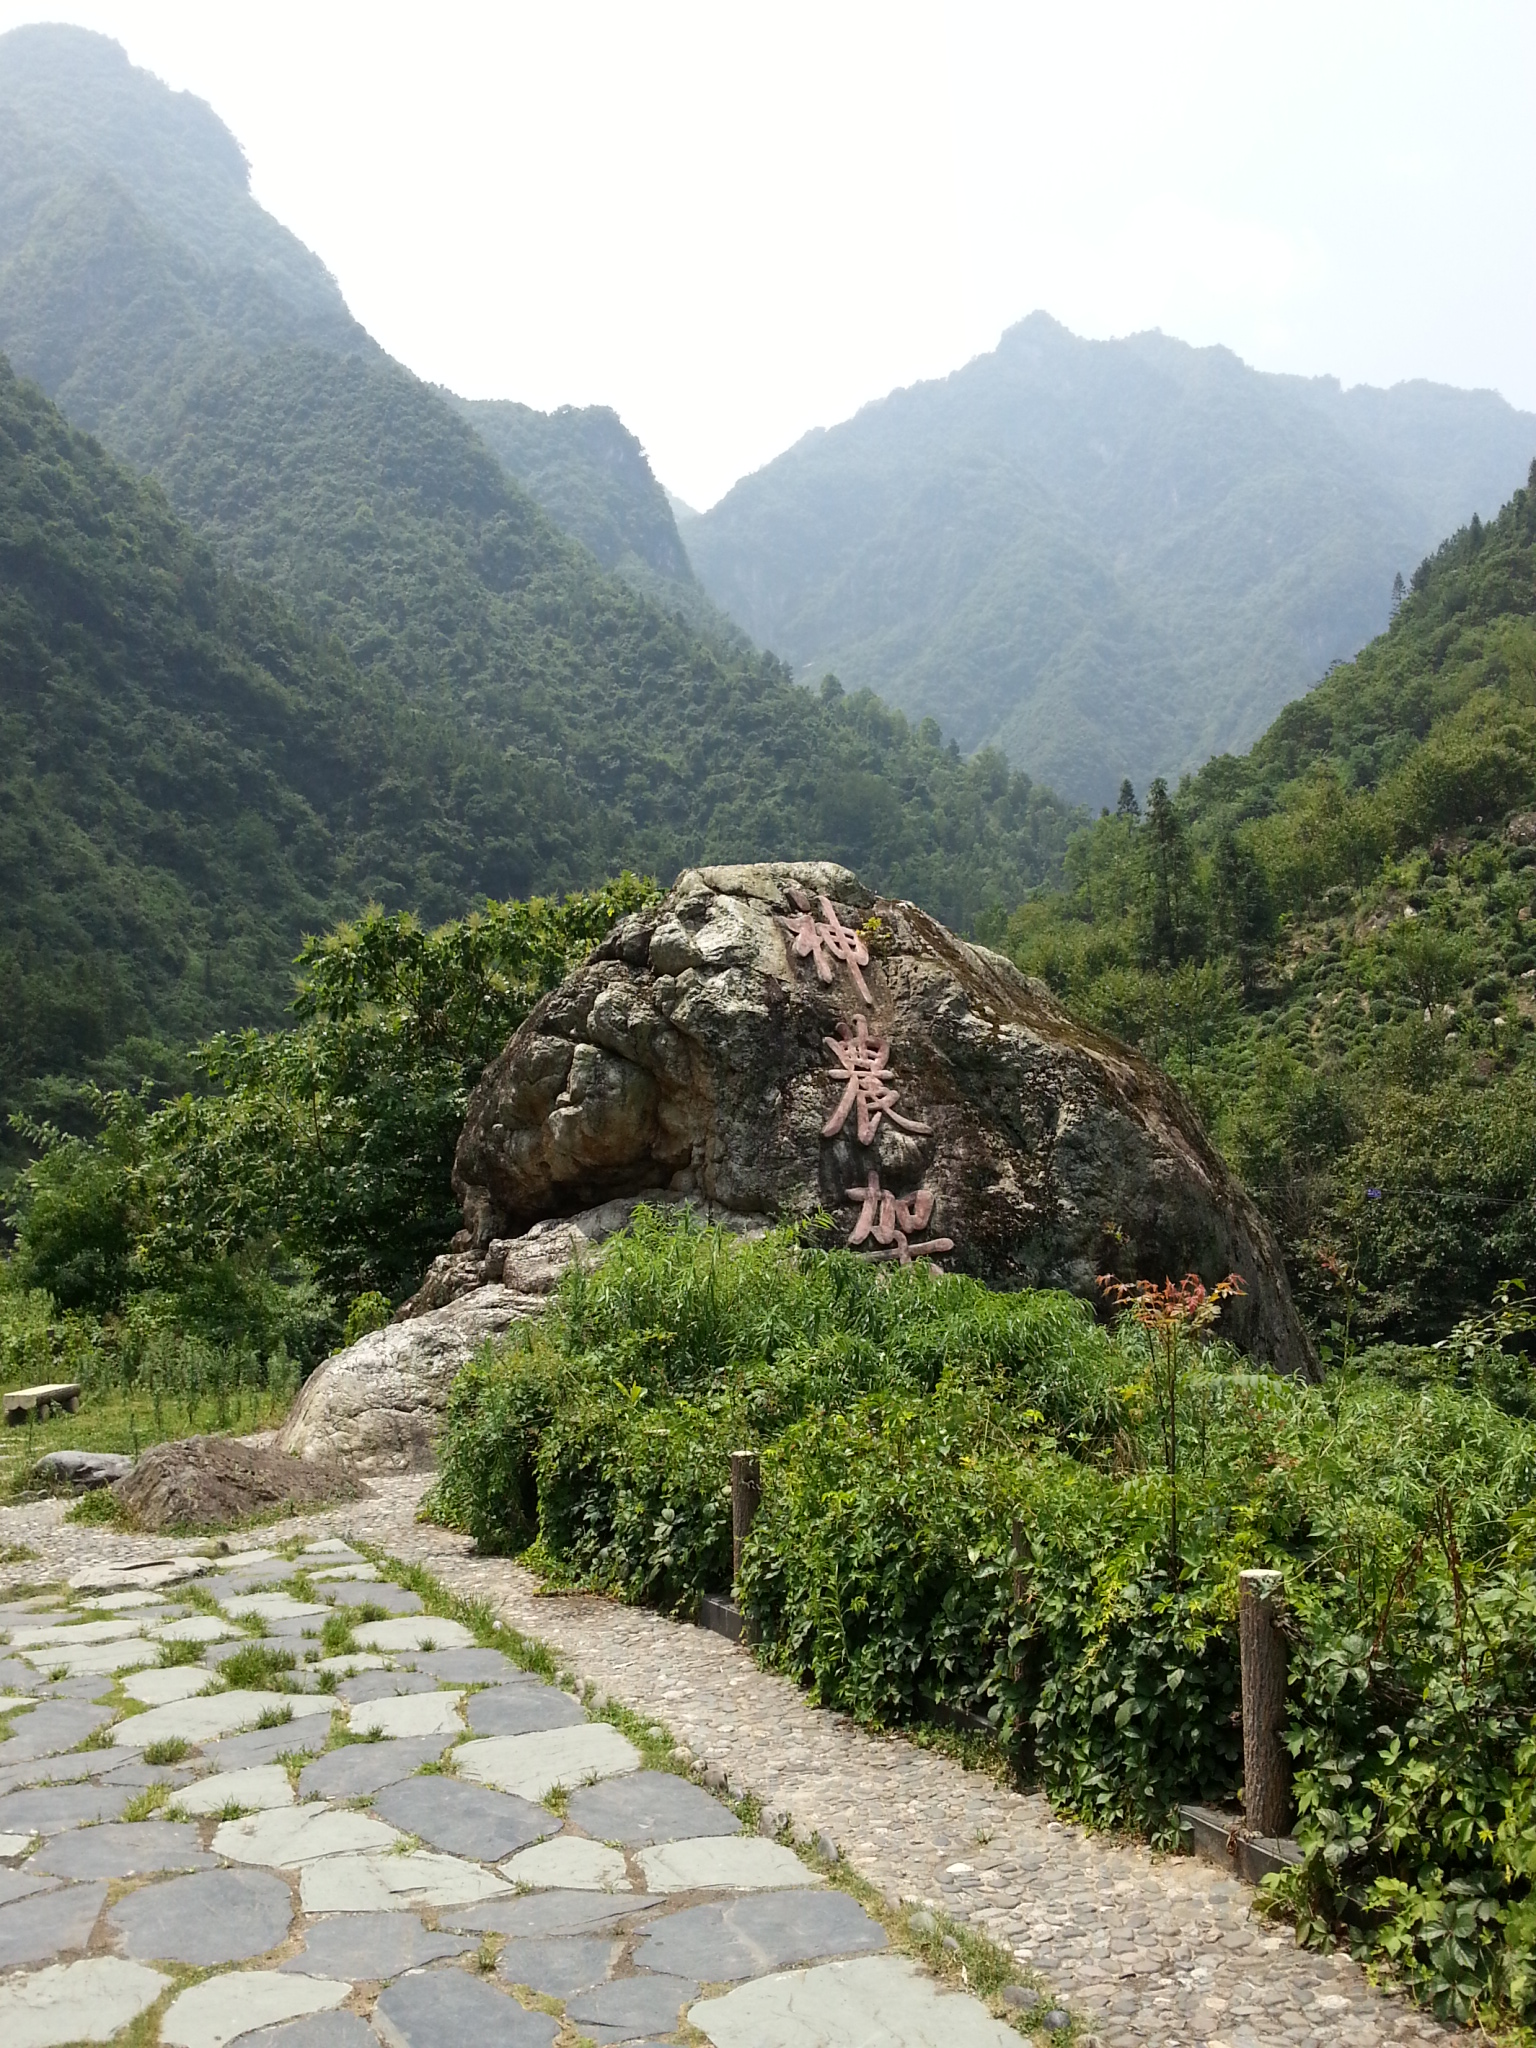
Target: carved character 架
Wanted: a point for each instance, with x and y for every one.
(892, 1221)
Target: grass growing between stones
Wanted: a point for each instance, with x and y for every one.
(148, 1802)
(172, 1750)
(260, 1668)
(478, 1616)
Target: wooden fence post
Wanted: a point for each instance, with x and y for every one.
(1266, 1765)
(746, 1494)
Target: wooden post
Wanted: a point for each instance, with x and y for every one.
(746, 1493)
(1266, 1766)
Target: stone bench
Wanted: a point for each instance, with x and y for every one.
(37, 1403)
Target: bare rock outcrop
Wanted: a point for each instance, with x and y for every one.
(776, 1041)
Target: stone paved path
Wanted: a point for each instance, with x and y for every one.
(1149, 1952)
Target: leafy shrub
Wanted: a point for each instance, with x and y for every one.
(967, 1502)
(368, 1312)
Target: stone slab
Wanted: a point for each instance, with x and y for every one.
(123, 1849)
(523, 1710)
(331, 1547)
(647, 1807)
(49, 1924)
(632, 2006)
(96, 1660)
(18, 1677)
(447, 2008)
(378, 1684)
(413, 1632)
(162, 1688)
(220, 2008)
(272, 1607)
(153, 1573)
(51, 1727)
(261, 1745)
(316, 2030)
(369, 1593)
(372, 1948)
(196, 1628)
(86, 2001)
(68, 1634)
(134, 1603)
(21, 1884)
(45, 1809)
(872, 2002)
(469, 1667)
(766, 1931)
(242, 1560)
(220, 1713)
(558, 1965)
(386, 1884)
(532, 1765)
(722, 1863)
(569, 1863)
(258, 1789)
(358, 1574)
(358, 1769)
(348, 1664)
(421, 1713)
(554, 1912)
(464, 1820)
(288, 1838)
(215, 1916)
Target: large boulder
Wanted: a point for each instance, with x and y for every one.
(215, 1482)
(775, 1041)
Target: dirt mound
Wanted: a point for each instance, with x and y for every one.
(211, 1482)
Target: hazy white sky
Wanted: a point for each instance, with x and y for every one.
(734, 222)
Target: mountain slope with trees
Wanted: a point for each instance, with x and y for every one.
(1106, 558)
(194, 778)
(1331, 941)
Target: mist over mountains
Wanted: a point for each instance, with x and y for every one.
(1105, 558)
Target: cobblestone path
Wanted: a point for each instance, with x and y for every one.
(1150, 1952)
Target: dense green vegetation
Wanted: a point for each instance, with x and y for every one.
(301, 1190)
(1107, 558)
(967, 1502)
(189, 780)
(1331, 942)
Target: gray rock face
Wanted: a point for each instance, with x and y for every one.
(83, 1470)
(376, 1405)
(774, 1040)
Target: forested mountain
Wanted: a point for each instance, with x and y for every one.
(1331, 941)
(567, 726)
(189, 780)
(193, 777)
(1107, 558)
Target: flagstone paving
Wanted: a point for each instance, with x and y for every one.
(355, 1885)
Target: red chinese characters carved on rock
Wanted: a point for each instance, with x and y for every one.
(864, 1067)
(825, 939)
(892, 1221)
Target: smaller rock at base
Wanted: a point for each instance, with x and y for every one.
(1017, 1997)
(923, 1922)
(1055, 2020)
(83, 1470)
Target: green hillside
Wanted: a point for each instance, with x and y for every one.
(193, 778)
(1332, 942)
(1107, 558)
(189, 780)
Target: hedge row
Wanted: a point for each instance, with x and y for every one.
(966, 1501)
